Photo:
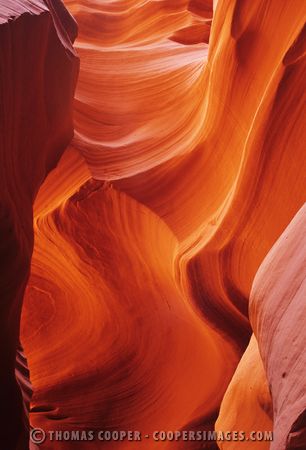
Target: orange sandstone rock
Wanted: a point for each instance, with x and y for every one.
(37, 80)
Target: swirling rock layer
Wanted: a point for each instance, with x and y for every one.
(35, 127)
(187, 165)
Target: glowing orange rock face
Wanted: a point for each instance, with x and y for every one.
(185, 168)
(140, 95)
(147, 349)
(247, 404)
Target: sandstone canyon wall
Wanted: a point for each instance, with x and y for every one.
(166, 291)
(38, 75)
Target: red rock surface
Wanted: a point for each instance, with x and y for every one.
(277, 313)
(37, 80)
(247, 404)
(187, 165)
